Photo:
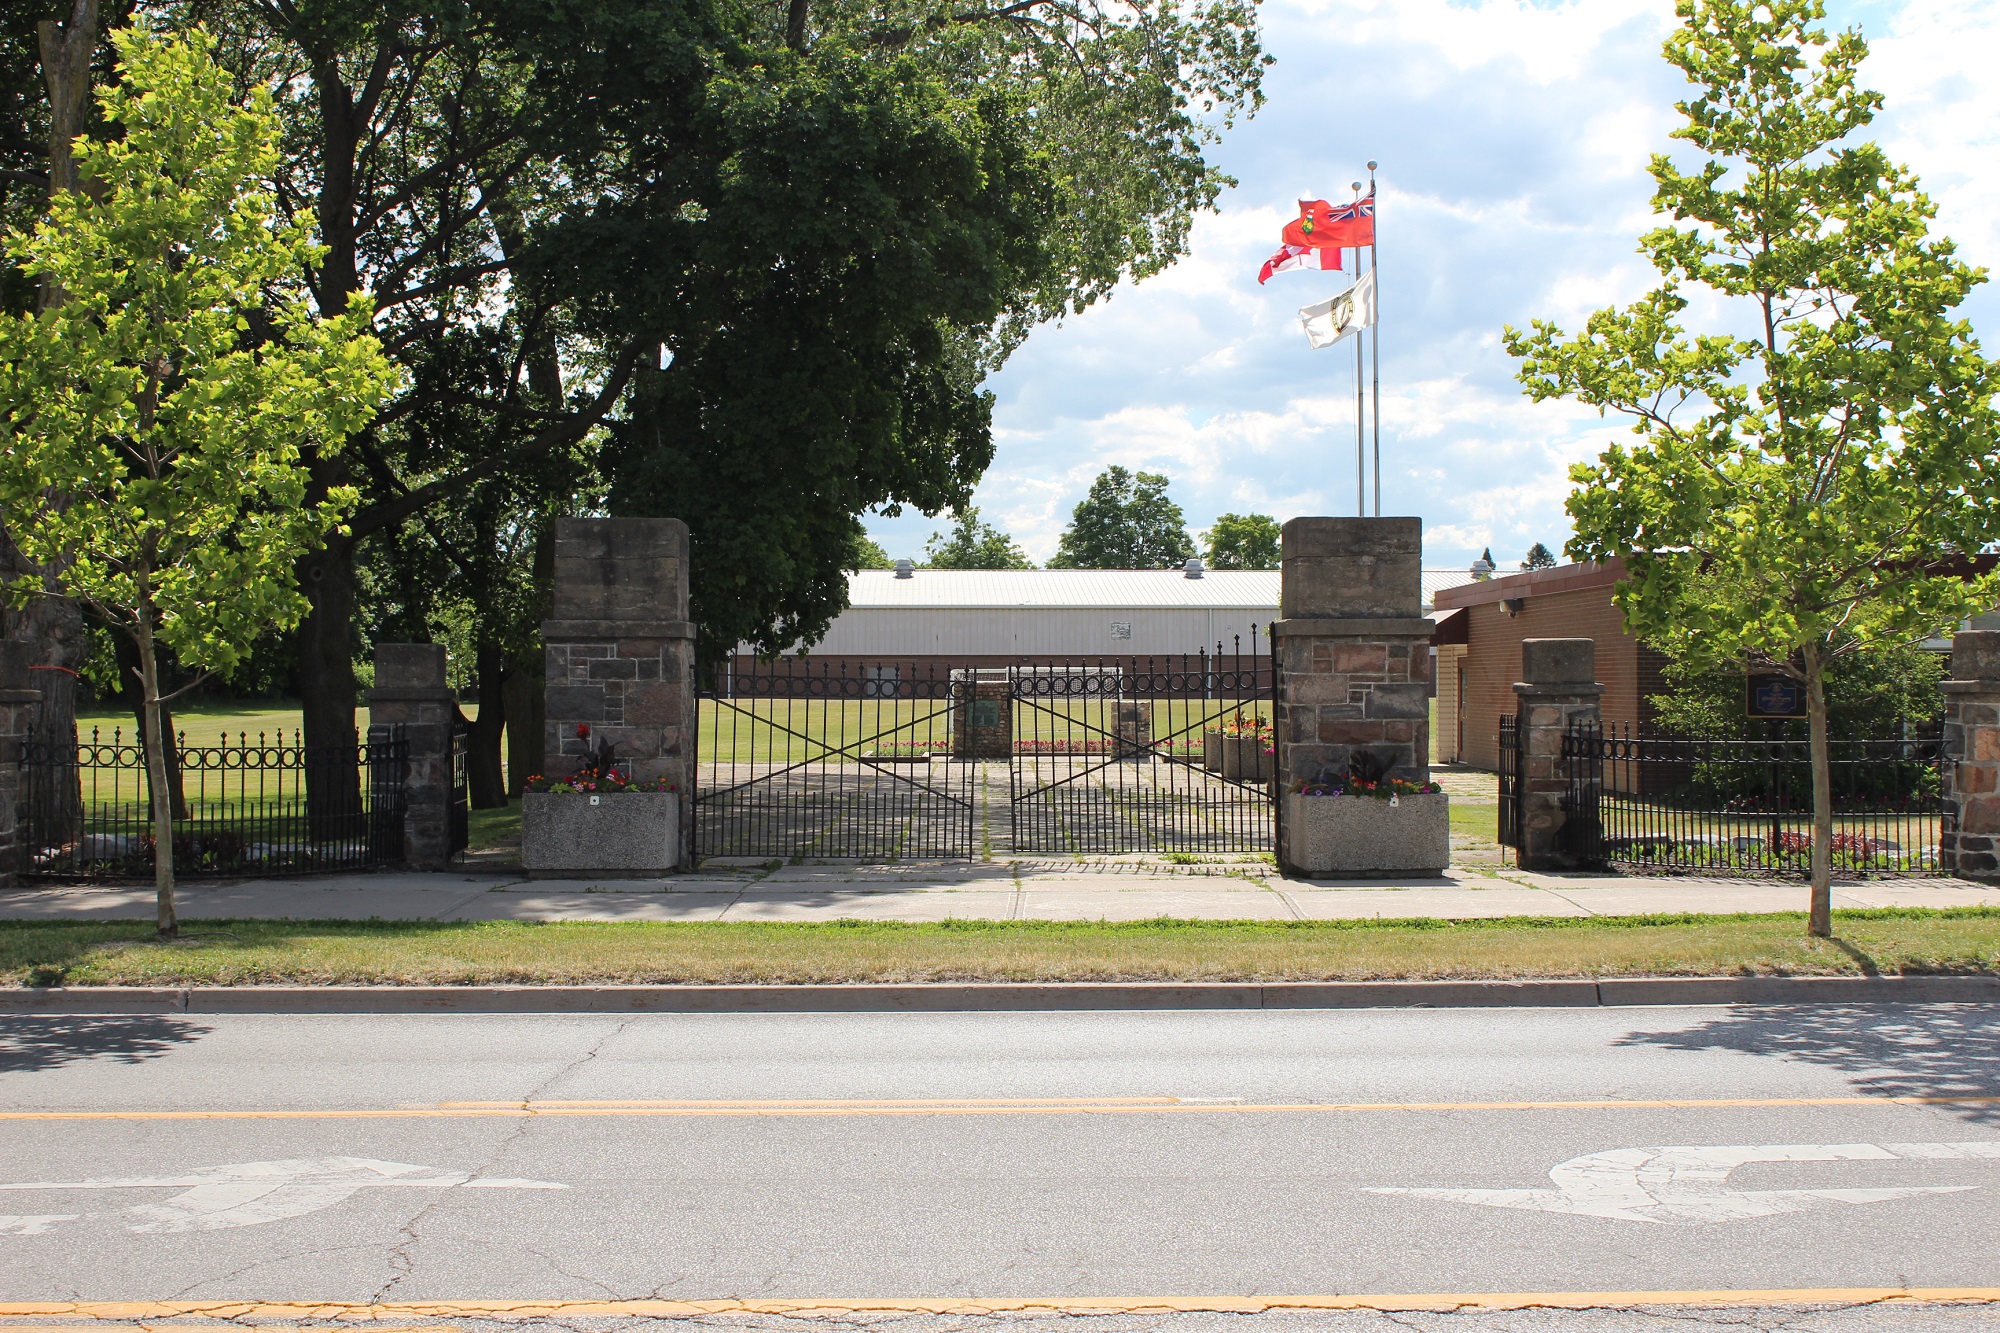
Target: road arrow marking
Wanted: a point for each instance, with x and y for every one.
(247, 1194)
(1687, 1185)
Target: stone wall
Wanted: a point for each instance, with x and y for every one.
(1559, 688)
(1353, 649)
(982, 715)
(1969, 844)
(620, 652)
(411, 692)
(17, 711)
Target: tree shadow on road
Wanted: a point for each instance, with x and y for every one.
(31, 1044)
(1947, 1050)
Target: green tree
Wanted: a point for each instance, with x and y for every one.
(1871, 691)
(1539, 557)
(1243, 541)
(869, 554)
(974, 543)
(1125, 522)
(1807, 492)
(165, 401)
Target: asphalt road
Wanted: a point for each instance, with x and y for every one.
(853, 1158)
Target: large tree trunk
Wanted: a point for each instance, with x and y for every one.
(166, 917)
(1820, 920)
(55, 624)
(526, 715)
(327, 693)
(485, 782)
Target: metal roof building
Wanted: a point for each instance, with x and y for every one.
(963, 615)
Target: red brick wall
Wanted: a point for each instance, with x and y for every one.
(1628, 671)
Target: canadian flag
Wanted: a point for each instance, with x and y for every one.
(1291, 256)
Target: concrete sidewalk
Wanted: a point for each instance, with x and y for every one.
(1019, 890)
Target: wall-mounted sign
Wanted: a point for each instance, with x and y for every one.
(1774, 696)
(985, 712)
(1121, 629)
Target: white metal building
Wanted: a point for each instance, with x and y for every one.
(964, 616)
(1012, 613)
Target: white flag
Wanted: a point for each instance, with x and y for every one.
(1330, 321)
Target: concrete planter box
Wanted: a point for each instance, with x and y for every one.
(612, 833)
(1359, 835)
(1244, 758)
(1211, 751)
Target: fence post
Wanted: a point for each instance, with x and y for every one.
(621, 653)
(1560, 689)
(17, 711)
(1351, 650)
(1969, 833)
(410, 692)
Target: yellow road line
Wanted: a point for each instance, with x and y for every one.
(803, 1102)
(505, 1110)
(847, 1306)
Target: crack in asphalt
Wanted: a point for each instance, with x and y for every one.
(402, 1261)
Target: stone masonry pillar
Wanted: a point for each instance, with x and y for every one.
(410, 691)
(1351, 644)
(17, 710)
(1969, 838)
(1560, 688)
(621, 653)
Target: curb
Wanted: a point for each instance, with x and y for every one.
(1001, 998)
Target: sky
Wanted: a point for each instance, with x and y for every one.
(1512, 140)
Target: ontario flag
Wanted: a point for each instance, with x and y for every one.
(1316, 238)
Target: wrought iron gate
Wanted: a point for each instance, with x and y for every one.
(800, 759)
(1154, 754)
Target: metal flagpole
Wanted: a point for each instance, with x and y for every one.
(1375, 335)
(1360, 414)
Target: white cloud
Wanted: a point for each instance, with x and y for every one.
(1514, 139)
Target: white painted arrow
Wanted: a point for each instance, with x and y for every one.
(1685, 1185)
(245, 1194)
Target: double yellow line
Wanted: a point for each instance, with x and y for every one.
(1005, 1106)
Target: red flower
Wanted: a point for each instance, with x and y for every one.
(583, 731)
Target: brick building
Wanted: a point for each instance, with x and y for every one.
(1478, 638)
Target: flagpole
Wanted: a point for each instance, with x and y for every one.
(1375, 335)
(1360, 413)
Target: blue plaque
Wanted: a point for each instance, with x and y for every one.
(1774, 696)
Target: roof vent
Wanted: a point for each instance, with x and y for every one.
(1193, 569)
(906, 569)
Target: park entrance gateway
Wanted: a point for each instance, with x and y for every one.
(895, 760)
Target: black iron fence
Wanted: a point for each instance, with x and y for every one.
(239, 807)
(1144, 754)
(1511, 761)
(796, 758)
(1745, 804)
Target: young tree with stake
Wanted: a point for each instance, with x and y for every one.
(1811, 489)
(157, 421)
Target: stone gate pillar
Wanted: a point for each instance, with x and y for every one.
(411, 692)
(17, 710)
(1353, 653)
(1560, 688)
(1969, 838)
(621, 653)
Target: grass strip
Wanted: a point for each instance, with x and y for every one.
(1888, 941)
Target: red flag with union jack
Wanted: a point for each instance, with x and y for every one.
(1316, 238)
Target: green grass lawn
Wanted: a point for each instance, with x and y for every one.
(794, 730)
(1888, 941)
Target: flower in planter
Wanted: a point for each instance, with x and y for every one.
(583, 731)
(1389, 789)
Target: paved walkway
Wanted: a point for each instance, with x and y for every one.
(1018, 890)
